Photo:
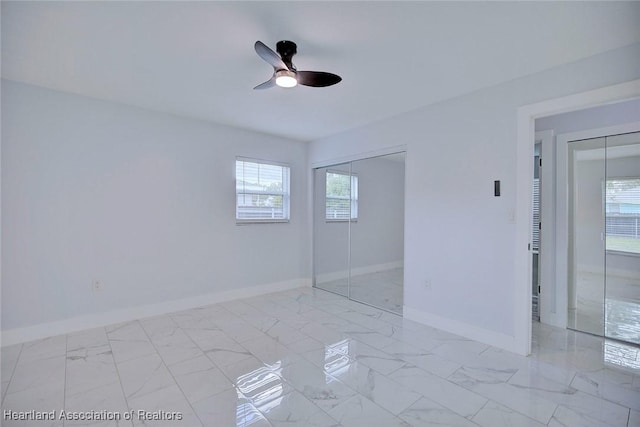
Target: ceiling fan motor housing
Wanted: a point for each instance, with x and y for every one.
(286, 49)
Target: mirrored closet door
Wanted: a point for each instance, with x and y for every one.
(622, 231)
(604, 236)
(359, 230)
(332, 226)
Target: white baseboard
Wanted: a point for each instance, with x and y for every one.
(466, 330)
(554, 319)
(356, 271)
(96, 320)
(611, 271)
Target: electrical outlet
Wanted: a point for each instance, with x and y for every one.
(97, 285)
(427, 284)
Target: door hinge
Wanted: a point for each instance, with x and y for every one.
(540, 161)
(528, 246)
(539, 226)
(538, 289)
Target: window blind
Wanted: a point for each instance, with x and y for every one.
(622, 209)
(262, 191)
(535, 240)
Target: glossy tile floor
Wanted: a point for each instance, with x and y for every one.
(617, 316)
(310, 358)
(382, 289)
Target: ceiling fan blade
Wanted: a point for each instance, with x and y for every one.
(266, 85)
(317, 78)
(270, 56)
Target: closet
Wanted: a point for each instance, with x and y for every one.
(604, 236)
(358, 210)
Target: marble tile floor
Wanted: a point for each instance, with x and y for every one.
(383, 289)
(307, 357)
(616, 316)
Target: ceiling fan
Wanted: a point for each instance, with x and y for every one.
(285, 73)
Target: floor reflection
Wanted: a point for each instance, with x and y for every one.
(382, 289)
(622, 320)
(263, 387)
(336, 359)
(247, 414)
(622, 355)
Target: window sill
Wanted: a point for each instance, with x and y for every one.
(262, 221)
(631, 254)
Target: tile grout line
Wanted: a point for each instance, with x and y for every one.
(362, 396)
(509, 407)
(452, 383)
(124, 395)
(422, 395)
(596, 394)
(64, 387)
(293, 387)
(220, 368)
(512, 375)
(261, 313)
(214, 363)
(389, 355)
(169, 370)
(553, 414)
(15, 365)
(478, 411)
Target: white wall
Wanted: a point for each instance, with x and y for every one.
(141, 200)
(457, 234)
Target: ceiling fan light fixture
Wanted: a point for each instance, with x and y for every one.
(286, 78)
(285, 74)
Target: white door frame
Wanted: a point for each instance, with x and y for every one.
(524, 190)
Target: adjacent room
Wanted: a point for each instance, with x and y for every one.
(320, 213)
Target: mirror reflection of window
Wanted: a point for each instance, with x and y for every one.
(341, 196)
(622, 208)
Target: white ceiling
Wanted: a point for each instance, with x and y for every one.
(196, 58)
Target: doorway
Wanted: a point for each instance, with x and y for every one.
(358, 210)
(527, 116)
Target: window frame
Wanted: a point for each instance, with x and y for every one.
(286, 192)
(353, 196)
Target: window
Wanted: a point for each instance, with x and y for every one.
(262, 191)
(342, 196)
(622, 208)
